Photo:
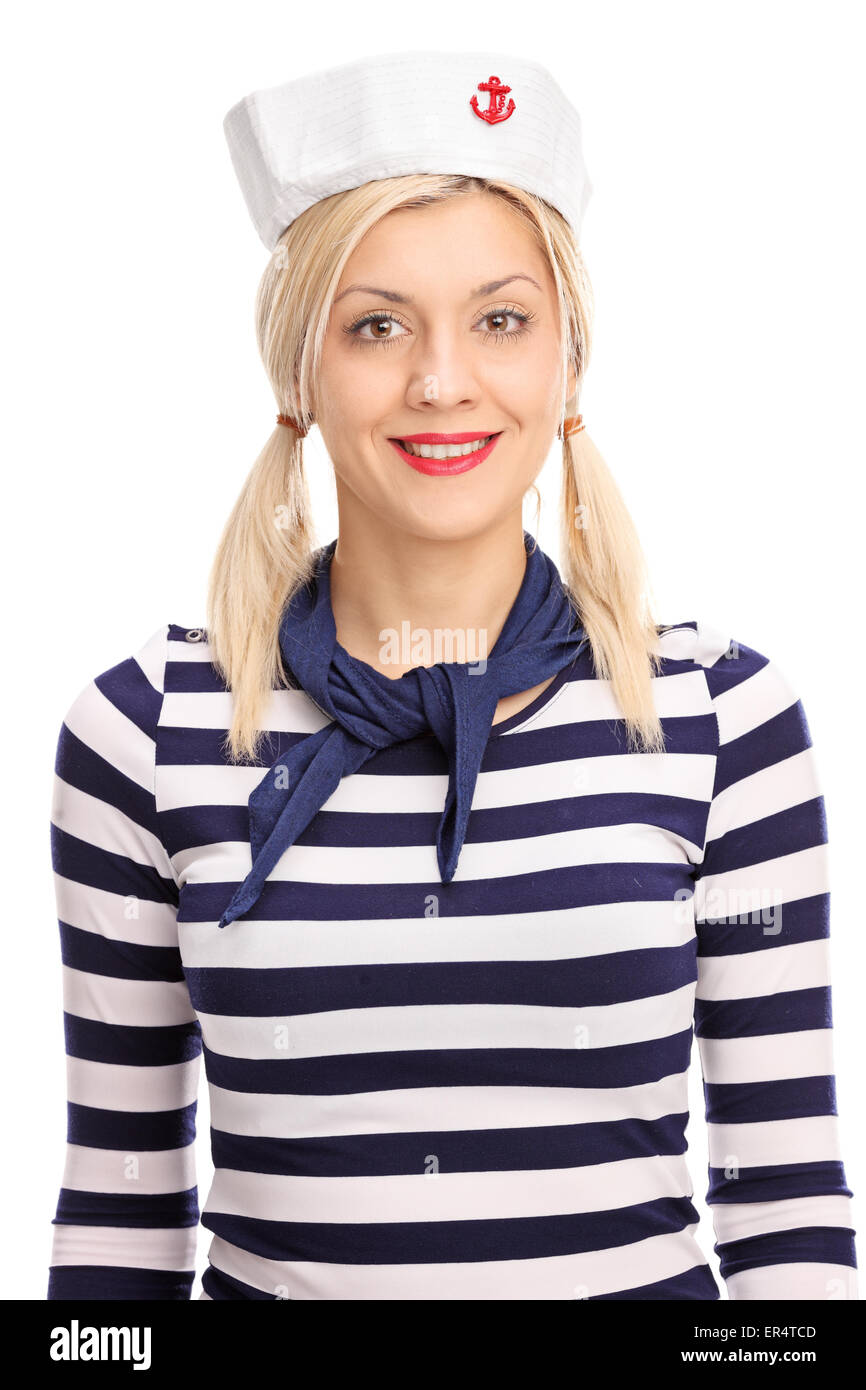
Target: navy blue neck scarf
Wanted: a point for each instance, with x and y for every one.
(456, 701)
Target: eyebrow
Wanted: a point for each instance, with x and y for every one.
(394, 298)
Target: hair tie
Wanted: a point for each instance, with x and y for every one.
(293, 424)
(572, 425)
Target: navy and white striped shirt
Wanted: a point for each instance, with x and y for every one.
(471, 1090)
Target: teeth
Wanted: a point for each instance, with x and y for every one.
(445, 451)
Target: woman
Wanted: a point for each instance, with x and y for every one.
(436, 857)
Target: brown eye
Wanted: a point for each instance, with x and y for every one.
(503, 323)
(379, 328)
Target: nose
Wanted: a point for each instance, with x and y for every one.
(442, 374)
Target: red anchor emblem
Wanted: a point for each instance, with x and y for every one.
(497, 110)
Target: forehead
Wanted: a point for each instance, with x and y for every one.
(471, 238)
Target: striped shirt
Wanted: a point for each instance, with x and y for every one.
(471, 1090)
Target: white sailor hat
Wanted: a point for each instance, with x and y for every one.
(485, 114)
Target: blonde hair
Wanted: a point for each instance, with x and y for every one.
(266, 549)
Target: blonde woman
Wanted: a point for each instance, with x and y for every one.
(436, 853)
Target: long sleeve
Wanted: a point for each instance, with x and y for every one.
(127, 1214)
(777, 1191)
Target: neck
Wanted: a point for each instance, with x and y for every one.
(437, 593)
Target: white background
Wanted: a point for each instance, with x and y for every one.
(725, 243)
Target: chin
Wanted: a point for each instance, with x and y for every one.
(454, 523)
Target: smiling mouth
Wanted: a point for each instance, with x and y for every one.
(445, 451)
(441, 455)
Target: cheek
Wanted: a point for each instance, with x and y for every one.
(529, 370)
(357, 387)
(532, 393)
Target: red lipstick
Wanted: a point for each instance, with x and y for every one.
(445, 467)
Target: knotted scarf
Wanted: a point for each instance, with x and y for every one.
(456, 701)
